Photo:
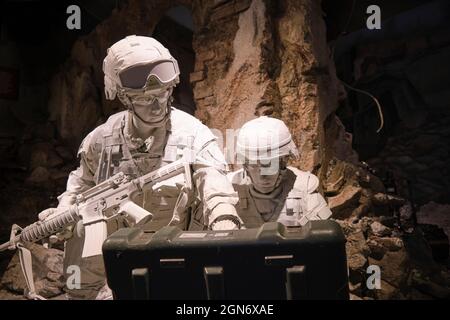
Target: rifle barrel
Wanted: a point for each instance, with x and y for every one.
(4, 246)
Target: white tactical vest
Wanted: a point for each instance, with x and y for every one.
(116, 154)
(296, 204)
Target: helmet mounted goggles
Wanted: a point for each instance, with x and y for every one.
(149, 76)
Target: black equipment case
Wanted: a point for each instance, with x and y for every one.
(271, 262)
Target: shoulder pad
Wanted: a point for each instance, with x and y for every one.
(115, 120)
(85, 144)
(183, 124)
(96, 135)
(305, 181)
(179, 117)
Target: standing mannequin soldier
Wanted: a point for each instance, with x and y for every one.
(148, 135)
(269, 190)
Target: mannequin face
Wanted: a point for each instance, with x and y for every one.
(150, 106)
(153, 112)
(264, 175)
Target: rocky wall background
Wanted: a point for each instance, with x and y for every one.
(252, 57)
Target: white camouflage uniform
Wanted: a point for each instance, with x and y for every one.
(209, 178)
(142, 74)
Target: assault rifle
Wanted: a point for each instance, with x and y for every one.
(106, 201)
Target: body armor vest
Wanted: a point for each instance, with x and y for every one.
(290, 205)
(117, 156)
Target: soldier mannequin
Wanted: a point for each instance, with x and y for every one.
(269, 190)
(150, 134)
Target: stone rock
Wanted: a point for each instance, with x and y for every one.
(424, 153)
(44, 155)
(57, 174)
(394, 267)
(377, 250)
(54, 160)
(430, 288)
(403, 160)
(416, 167)
(38, 159)
(47, 272)
(347, 226)
(356, 262)
(223, 9)
(421, 258)
(355, 288)
(6, 295)
(22, 209)
(415, 294)
(24, 154)
(425, 143)
(364, 224)
(343, 204)
(437, 240)
(335, 177)
(357, 251)
(379, 246)
(74, 96)
(196, 76)
(357, 265)
(45, 131)
(356, 244)
(354, 297)
(379, 230)
(387, 292)
(389, 222)
(406, 211)
(436, 214)
(383, 199)
(39, 176)
(64, 153)
(376, 184)
(342, 146)
(202, 90)
(391, 244)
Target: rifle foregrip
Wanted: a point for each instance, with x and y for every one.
(44, 229)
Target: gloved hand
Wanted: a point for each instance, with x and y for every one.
(47, 213)
(224, 225)
(61, 236)
(224, 217)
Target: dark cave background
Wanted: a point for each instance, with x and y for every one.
(405, 65)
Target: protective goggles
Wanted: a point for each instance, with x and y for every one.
(149, 76)
(148, 97)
